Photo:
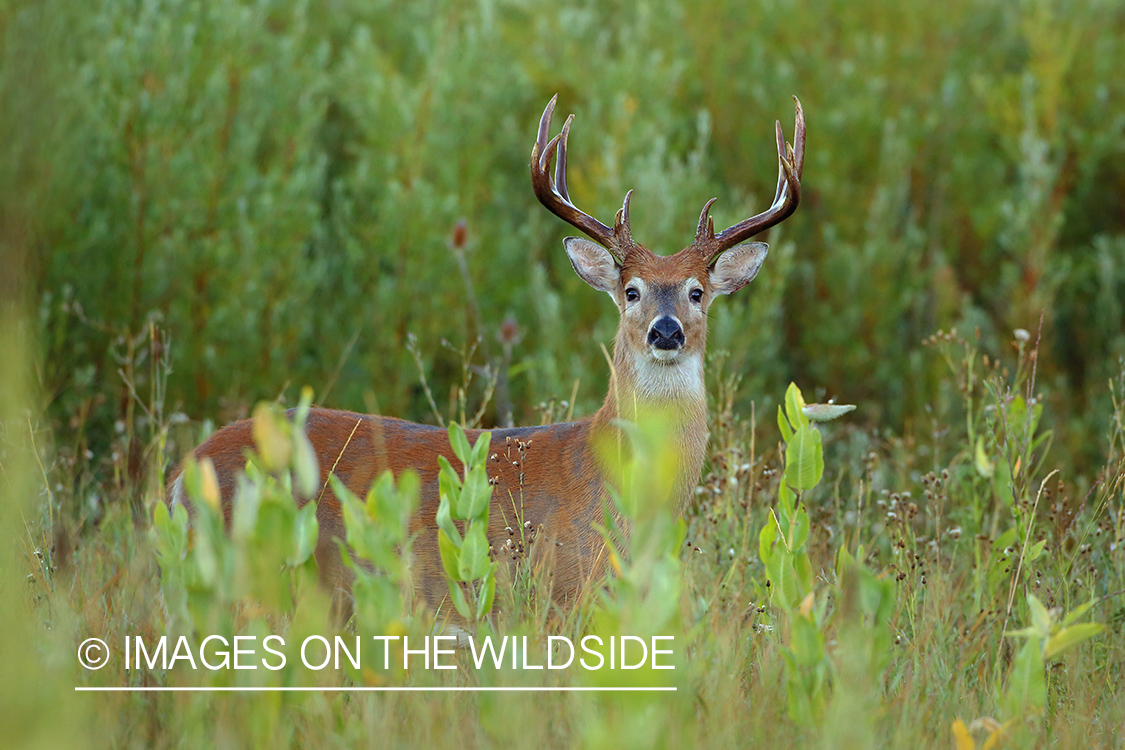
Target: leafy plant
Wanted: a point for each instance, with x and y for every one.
(466, 556)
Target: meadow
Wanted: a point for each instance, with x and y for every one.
(210, 206)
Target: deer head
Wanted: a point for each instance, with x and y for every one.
(663, 299)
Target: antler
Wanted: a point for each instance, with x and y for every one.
(553, 194)
(791, 159)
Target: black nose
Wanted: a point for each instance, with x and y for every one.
(666, 334)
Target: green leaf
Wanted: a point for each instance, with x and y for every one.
(1036, 550)
(1071, 636)
(474, 562)
(783, 580)
(794, 404)
(449, 486)
(1027, 683)
(305, 533)
(800, 531)
(160, 517)
(766, 538)
(445, 521)
(786, 504)
(479, 456)
(804, 459)
(450, 555)
(301, 415)
(806, 642)
(475, 495)
(783, 425)
(487, 594)
(460, 443)
(1040, 617)
(802, 566)
(458, 598)
(305, 465)
(1076, 613)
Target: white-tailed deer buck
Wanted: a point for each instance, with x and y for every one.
(560, 484)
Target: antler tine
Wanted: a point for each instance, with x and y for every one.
(545, 125)
(553, 193)
(788, 194)
(560, 161)
(705, 231)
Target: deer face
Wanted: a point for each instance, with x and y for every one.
(664, 300)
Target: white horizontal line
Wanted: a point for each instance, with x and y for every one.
(410, 689)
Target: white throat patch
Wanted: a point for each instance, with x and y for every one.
(680, 379)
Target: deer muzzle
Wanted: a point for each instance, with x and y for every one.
(666, 334)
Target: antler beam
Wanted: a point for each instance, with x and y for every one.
(553, 194)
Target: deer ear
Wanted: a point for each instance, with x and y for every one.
(737, 267)
(593, 264)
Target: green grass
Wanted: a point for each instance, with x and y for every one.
(951, 554)
(208, 205)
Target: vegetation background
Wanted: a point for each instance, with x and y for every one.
(206, 205)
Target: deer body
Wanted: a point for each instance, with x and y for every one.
(551, 479)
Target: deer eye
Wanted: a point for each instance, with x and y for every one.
(696, 296)
(632, 294)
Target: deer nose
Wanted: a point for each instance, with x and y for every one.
(666, 333)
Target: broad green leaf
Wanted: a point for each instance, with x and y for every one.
(444, 520)
(786, 504)
(1027, 683)
(876, 596)
(783, 425)
(1040, 617)
(449, 486)
(473, 562)
(161, 518)
(1071, 636)
(301, 414)
(1005, 540)
(1076, 613)
(766, 538)
(305, 532)
(487, 595)
(806, 642)
(479, 456)
(305, 466)
(475, 495)
(794, 403)
(459, 442)
(804, 459)
(783, 580)
(450, 555)
(802, 566)
(800, 531)
(1036, 550)
(458, 598)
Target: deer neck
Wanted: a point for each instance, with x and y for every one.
(639, 383)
